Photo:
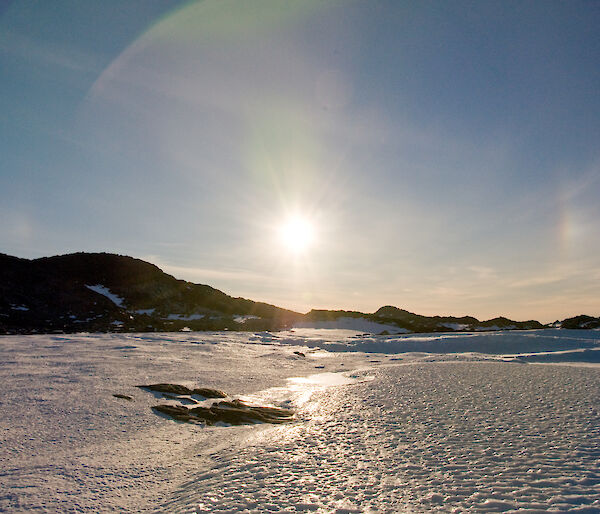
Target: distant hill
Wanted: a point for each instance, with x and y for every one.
(408, 322)
(578, 322)
(103, 292)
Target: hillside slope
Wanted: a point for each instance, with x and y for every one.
(409, 322)
(108, 292)
(103, 292)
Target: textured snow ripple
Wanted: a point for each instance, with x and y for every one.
(422, 435)
(455, 436)
(68, 445)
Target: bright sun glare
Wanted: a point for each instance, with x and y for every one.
(297, 234)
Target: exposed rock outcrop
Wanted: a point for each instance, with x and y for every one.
(123, 396)
(232, 412)
(178, 389)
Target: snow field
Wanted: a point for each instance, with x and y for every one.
(402, 431)
(66, 444)
(483, 437)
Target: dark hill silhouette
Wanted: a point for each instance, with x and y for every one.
(103, 292)
(582, 321)
(408, 321)
(52, 294)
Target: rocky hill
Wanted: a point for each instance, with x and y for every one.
(103, 292)
(578, 322)
(408, 322)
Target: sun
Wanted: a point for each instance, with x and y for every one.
(297, 234)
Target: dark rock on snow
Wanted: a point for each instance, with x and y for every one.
(177, 412)
(183, 390)
(167, 388)
(123, 396)
(209, 393)
(233, 412)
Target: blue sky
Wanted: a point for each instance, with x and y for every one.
(446, 154)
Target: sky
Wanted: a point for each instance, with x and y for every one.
(444, 156)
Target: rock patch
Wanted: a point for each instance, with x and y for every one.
(123, 396)
(183, 390)
(231, 412)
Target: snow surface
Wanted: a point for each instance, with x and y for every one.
(348, 323)
(147, 312)
(410, 423)
(455, 326)
(105, 291)
(240, 318)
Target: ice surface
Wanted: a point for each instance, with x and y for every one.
(432, 422)
(503, 342)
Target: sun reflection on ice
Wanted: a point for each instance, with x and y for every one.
(299, 390)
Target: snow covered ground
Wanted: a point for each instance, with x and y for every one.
(358, 324)
(413, 423)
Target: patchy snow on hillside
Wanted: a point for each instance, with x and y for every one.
(15, 307)
(242, 318)
(146, 312)
(455, 326)
(405, 423)
(104, 291)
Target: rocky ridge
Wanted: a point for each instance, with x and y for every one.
(103, 292)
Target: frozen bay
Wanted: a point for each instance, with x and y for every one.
(382, 426)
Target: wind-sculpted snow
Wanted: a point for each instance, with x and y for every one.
(431, 422)
(421, 438)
